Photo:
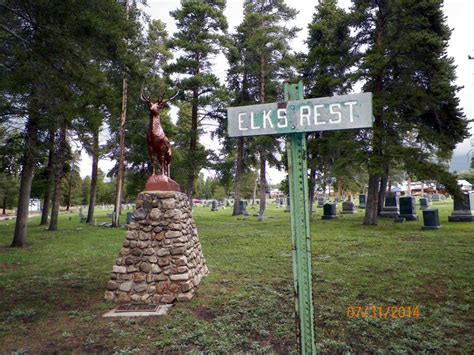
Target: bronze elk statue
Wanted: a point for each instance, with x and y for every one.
(159, 147)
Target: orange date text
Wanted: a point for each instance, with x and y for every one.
(387, 312)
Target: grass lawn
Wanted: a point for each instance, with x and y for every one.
(51, 293)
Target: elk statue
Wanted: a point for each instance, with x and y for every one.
(159, 147)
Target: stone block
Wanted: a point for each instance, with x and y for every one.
(155, 214)
(185, 297)
(172, 234)
(180, 277)
(112, 285)
(119, 269)
(126, 286)
(168, 203)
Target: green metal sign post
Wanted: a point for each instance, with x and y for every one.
(294, 118)
(301, 236)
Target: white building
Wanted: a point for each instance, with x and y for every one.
(465, 185)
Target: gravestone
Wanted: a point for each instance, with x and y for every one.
(348, 207)
(424, 203)
(161, 259)
(431, 219)
(243, 207)
(435, 197)
(214, 206)
(321, 201)
(362, 200)
(408, 208)
(329, 211)
(390, 209)
(463, 208)
(129, 217)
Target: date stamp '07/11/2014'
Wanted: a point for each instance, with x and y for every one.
(390, 312)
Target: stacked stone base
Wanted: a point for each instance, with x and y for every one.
(161, 260)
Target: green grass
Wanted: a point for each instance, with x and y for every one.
(51, 293)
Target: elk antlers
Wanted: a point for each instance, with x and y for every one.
(161, 101)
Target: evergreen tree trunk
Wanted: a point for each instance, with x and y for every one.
(373, 192)
(371, 209)
(121, 161)
(47, 193)
(69, 191)
(95, 169)
(263, 187)
(312, 189)
(27, 171)
(383, 188)
(255, 186)
(193, 144)
(121, 133)
(382, 192)
(59, 173)
(238, 175)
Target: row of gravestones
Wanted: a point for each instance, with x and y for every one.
(404, 208)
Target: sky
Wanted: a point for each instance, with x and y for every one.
(459, 19)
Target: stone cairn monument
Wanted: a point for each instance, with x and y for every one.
(161, 260)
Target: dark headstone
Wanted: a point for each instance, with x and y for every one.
(243, 207)
(424, 203)
(431, 219)
(408, 208)
(463, 208)
(362, 200)
(348, 207)
(329, 211)
(214, 206)
(321, 201)
(390, 209)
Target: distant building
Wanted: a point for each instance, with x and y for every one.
(34, 205)
(465, 185)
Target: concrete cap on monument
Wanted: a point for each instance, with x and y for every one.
(329, 211)
(431, 219)
(463, 209)
(408, 208)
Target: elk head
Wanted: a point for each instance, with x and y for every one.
(161, 103)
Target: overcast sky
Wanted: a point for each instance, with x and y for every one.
(459, 17)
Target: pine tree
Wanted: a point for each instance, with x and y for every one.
(201, 28)
(326, 72)
(403, 61)
(49, 49)
(262, 43)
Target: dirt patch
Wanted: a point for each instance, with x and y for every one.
(437, 291)
(7, 266)
(204, 313)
